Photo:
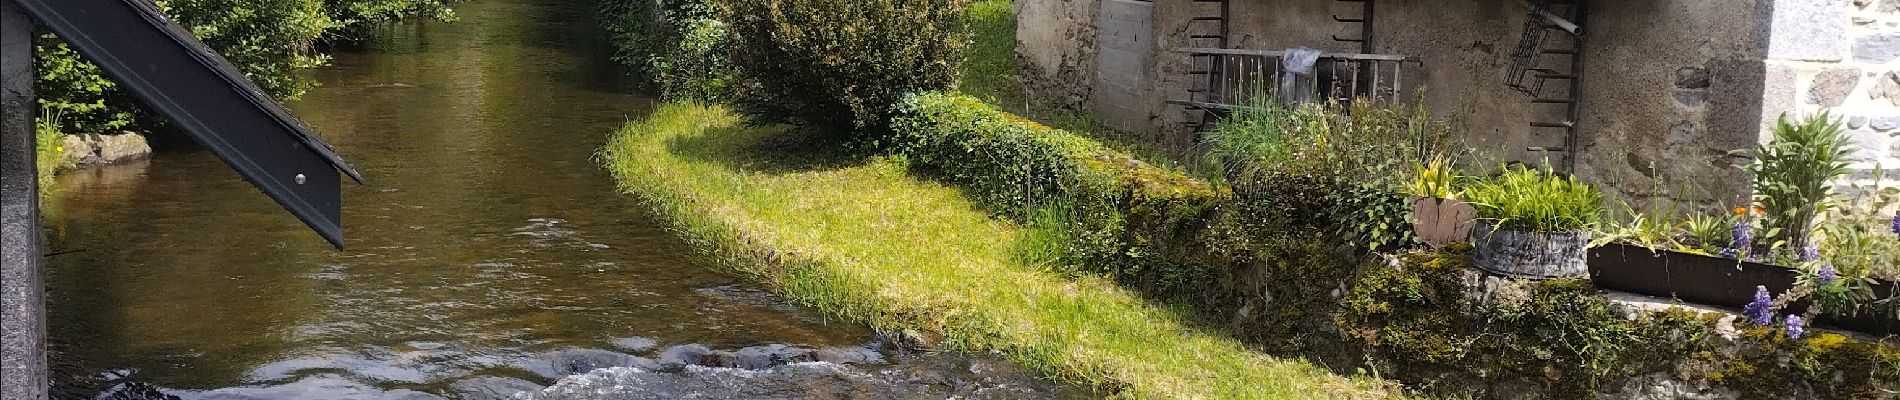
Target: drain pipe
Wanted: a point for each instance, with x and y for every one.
(22, 285)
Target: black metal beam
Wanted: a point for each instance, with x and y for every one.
(202, 93)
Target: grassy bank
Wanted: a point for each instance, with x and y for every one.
(864, 240)
(989, 64)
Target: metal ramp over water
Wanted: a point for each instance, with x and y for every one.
(1546, 28)
(199, 91)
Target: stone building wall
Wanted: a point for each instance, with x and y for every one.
(1659, 78)
(1851, 68)
(1672, 87)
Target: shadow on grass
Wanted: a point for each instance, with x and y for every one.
(773, 150)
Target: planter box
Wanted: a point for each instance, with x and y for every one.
(1715, 281)
(1528, 254)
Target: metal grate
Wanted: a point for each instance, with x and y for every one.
(1338, 77)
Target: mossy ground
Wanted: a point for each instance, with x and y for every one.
(864, 240)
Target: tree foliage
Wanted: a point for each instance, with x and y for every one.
(266, 39)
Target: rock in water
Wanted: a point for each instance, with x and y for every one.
(810, 380)
(95, 149)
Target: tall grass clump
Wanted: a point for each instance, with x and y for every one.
(1794, 177)
(48, 145)
(841, 65)
(1343, 168)
(1537, 200)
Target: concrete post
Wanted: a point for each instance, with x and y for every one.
(22, 286)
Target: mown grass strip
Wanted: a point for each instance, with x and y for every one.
(862, 239)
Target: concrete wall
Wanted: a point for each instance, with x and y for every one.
(1055, 50)
(1125, 42)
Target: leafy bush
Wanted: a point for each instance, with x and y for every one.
(1537, 200)
(842, 64)
(1120, 215)
(1795, 175)
(266, 39)
(681, 45)
(696, 67)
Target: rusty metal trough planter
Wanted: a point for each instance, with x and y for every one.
(1723, 282)
(1524, 253)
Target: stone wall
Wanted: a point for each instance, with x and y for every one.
(1848, 62)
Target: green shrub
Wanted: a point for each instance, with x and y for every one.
(1794, 177)
(681, 46)
(695, 67)
(1537, 200)
(842, 64)
(1121, 216)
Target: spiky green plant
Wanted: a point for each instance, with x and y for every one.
(1538, 200)
(1437, 179)
(1795, 174)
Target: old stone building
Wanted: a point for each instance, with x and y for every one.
(1665, 88)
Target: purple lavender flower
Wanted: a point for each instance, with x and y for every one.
(1896, 224)
(1757, 311)
(1796, 326)
(1810, 253)
(1741, 238)
(1827, 276)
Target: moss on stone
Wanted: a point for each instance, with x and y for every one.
(1577, 343)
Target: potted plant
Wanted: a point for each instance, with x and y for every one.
(1439, 218)
(1534, 223)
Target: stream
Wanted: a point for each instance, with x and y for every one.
(487, 255)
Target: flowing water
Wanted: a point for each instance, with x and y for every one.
(486, 252)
